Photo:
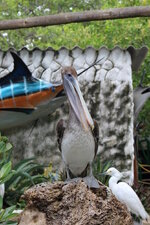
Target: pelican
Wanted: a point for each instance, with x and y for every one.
(78, 138)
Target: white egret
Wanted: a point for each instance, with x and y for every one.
(125, 194)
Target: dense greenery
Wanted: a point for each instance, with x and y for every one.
(15, 180)
(121, 32)
(99, 168)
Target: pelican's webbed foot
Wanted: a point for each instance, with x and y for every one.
(91, 182)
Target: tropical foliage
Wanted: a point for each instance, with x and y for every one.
(14, 180)
(116, 32)
(26, 174)
(7, 215)
(99, 168)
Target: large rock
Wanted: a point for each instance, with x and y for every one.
(73, 203)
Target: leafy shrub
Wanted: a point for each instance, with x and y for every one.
(5, 150)
(99, 168)
(5, 174)
(144, 160)
(15, 181)
(7, 215)
(51, 175)
(27, 173)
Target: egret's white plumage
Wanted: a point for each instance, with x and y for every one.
(125, 194)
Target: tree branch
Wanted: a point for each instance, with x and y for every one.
(76, 17)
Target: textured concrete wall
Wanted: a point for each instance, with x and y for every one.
(107, 89)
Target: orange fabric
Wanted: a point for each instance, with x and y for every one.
(30, 101)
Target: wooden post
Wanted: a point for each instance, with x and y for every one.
(76, 17)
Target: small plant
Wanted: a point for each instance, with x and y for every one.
(144, 160)
(51, 175)
(7, 215)
(99, 168)
(27, 173)
(5, 174)
(13, 182)
(5, 150)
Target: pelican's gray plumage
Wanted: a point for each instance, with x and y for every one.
(140, 96)
(78, 137)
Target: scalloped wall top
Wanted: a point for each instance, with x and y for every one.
(138, 54)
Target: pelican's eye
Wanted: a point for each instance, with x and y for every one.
(69, 75)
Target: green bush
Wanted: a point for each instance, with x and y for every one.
(5, 150)
(7, 214)
(16, 179)
(99, 168)
(27, 173)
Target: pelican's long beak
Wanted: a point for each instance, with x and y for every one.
(77, 102)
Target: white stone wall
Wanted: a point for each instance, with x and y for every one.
(107, 89)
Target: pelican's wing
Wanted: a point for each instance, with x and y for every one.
(140, 96)
(95, 132)
(146, 90)
(61, 126)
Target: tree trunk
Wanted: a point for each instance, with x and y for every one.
(73, 204)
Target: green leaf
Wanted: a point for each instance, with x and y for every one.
(5, 170)
(2, 211)
(10, 223)
(2, 146)
(9, 212)
(1, 202)
(6, 178)
(8, 146)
